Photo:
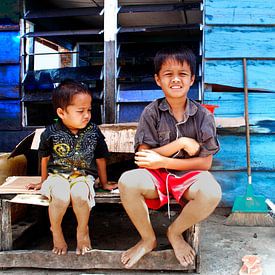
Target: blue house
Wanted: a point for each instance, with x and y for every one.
(111, 49)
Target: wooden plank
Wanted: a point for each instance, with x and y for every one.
(232, 155)
(238, 12)
(9, 81)
(234, 42)
(10, 52)
(260, 73)
(6, 230)
(110, 60)
(233, 183)
(10, 115)
(231, 106)
(96, 259)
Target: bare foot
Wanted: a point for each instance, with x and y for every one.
(59, 245)
(83, 242)
(135, 253)
(183, 251)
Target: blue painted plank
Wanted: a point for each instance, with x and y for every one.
(9, 81)
(233, 183)
(130, 112)
(240, 12)
(10, 47)
(10, 115)
(260, 73)
(234, 42)
(260, 105)
(232, 155)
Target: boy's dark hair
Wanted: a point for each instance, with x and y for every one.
(63, 94)
(181, 55)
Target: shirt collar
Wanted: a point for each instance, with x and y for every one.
(191, 107)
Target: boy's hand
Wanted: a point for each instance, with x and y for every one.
(34, 186)
(190, 145)
(110, 185)
(149, 159)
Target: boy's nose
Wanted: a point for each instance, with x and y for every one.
(176, 79)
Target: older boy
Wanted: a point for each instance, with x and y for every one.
(72, 152)
(175, 142)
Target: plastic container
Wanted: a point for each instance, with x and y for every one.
(210, 107)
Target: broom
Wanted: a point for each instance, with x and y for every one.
(249, 210)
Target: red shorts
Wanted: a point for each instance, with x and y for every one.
(176, 186)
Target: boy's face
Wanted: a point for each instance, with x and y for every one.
(175, 79)
(78, 113)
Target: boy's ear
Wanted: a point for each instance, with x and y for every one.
(60, 113)
(157, 80)
(192, 79)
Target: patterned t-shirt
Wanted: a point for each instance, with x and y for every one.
(70, 152)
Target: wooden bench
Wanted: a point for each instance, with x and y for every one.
(97, 259)
(119, 138)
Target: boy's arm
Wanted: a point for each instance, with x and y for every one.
(152, 160)
(190, 145)
(44, 174)
(102, 174)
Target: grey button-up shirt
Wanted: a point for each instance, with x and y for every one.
(157, 127)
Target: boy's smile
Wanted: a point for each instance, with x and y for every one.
(175, 79)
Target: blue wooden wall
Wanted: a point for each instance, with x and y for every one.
(235, 30)
(10, 98)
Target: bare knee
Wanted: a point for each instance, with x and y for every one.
(209, 189)
(79, 194)
(60, 202)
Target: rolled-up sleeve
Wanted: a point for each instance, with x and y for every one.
(147, 130)
(208, 137)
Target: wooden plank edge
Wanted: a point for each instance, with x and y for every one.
(96, 259)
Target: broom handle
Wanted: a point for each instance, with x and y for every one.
(246, 122)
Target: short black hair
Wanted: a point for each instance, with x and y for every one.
(180, 54)
(63, 94)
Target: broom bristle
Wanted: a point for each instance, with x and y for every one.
(250, 219)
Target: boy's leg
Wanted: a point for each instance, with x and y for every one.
(81, 189)
(59, 195)
(203, 196)
(134, 187)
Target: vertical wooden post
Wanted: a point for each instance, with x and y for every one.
(110, 62)
(6, 230)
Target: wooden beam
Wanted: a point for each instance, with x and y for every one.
(63, 33)
(110, 60)
(57, 13)
(6, 230)
(96, 259)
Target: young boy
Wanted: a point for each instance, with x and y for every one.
(175, 142)
(72, 153)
